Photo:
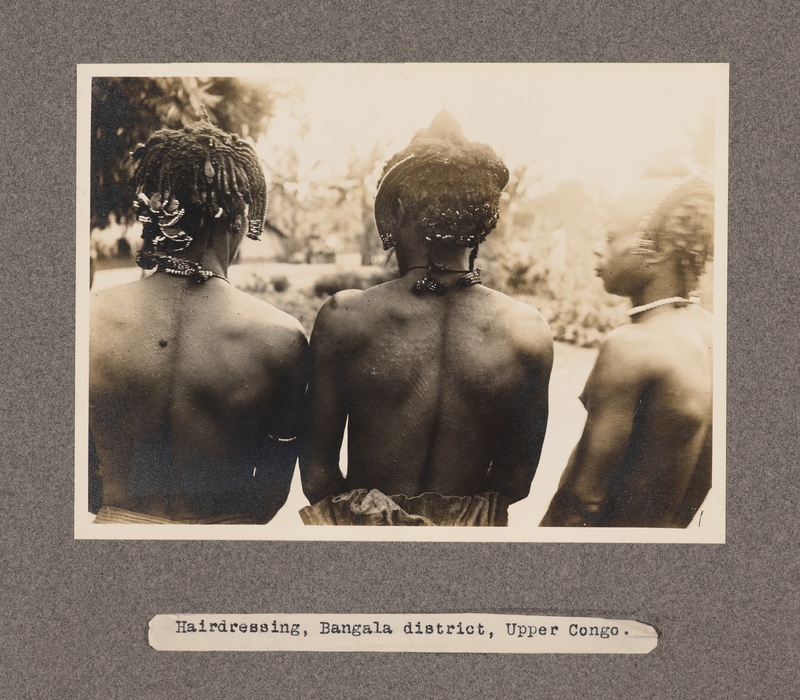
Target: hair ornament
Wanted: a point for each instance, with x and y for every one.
(208, 171)
(466, 226)
(449, 187)
(175, 267)
(185, 179)
(467, 278)
(152, 212)
(387, 190)
(255, 229)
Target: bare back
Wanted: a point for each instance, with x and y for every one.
(666, 473)
(436, 389)
(189, 386)
(644, 459)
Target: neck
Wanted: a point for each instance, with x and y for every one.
(177, 267)
(204, 258)
(212, 250)
(660, 286)
(424, 258)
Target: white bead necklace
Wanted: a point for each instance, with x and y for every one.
(636, 310)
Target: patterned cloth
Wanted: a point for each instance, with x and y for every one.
(109, 515)
(371, 507)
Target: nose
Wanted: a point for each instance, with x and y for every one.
(597, 248)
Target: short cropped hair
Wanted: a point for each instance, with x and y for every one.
(683, 224)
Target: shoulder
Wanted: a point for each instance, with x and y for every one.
(286, 335)
(703, 317)
(705, 324)
(527, 328)
(101, 318)
(626, 356)
(115, 305)
(341, 316)
(106, 298)
(629, 343)
(254, 309)
(344, 302)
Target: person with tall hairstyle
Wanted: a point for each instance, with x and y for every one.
(195, 388)
(443, 383)
(644, 459)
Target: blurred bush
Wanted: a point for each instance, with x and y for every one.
(303, 303)
(127, 110)
(580, 318)
(254, 284)
(328, 285)
(280, 283)
(568, 295)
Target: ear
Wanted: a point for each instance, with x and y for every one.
(656, 256)
(240, 219)
(234, 240)
(662, 251)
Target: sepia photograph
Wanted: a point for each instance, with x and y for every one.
(335, 301)
(413, 350)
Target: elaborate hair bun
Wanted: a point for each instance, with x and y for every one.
(444, 127)
(449, 186)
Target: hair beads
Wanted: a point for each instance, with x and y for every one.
(186, 178)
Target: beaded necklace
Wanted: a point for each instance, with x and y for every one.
(681, 301)
(467, 278)
(177, 267)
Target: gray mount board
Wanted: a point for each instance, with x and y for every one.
(76, 612)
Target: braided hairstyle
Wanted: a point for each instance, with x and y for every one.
(186, 178)
(449, 188)
(683, 223)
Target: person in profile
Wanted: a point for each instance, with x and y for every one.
(442, 381)
(644, 459)
(195, 388)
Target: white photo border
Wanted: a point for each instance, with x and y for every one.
(709, 530)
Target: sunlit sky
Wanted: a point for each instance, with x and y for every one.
(597, 123)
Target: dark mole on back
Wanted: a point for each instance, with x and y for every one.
(162, 343)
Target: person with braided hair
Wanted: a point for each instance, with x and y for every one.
(442, 381)
(644, 459)
(195, 387)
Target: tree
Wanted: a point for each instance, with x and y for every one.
(702, 137)
(358, 188)
(125, 111)
(498, 255)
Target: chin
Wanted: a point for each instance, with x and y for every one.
(616, 286)
(608, 285)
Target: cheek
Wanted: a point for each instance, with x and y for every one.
(621, 254)
(601, 251)
(611, 256)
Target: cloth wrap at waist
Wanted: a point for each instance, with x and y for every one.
(110, 515)
(371, 507)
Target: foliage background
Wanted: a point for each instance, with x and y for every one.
(321, 211)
